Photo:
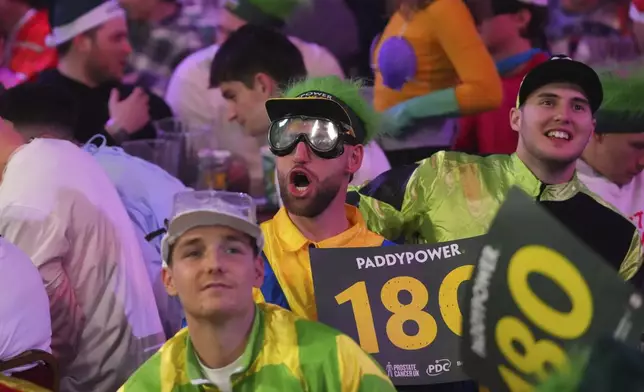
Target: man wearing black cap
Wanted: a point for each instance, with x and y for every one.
(450, 196)
(91, 39)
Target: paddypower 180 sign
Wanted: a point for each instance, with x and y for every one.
(401, 303)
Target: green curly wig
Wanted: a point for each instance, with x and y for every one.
(265, 12)
(349, 92)
(622, 109)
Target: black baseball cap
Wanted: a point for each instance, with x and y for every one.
(563, 69)
(316, 104)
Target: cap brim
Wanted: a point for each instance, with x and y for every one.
(564, 71)
(189, 220)
(278, 108)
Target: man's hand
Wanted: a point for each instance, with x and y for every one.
(130, 114)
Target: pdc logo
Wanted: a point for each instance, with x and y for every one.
(439, 367)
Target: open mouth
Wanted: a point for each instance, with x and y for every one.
(299, 183)
(559, 134)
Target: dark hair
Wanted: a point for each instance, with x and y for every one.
(256, 49)
(535, 30)
(31, 106)
(65, 47)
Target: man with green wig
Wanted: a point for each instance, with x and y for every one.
(612, 163)
(318, 131)
(192, 99)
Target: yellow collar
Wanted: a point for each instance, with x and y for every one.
(526, 180)
(291, 239)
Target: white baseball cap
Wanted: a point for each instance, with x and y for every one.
(210, 208)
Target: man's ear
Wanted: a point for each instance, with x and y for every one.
(515, 119)
(523, 18)
(82, 42)
(168, 281)
(354, 161)
(259, 272)
(265, 84)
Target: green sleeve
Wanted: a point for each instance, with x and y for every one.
(442, 103)
(397, 202)
(146, 378)
(632, 263)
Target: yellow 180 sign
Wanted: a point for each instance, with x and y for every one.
(509, 330)
(427, 327)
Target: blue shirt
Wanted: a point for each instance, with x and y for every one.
(146, 189)
(147, 192)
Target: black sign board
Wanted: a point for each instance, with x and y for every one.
(538, 294)
(401, 303)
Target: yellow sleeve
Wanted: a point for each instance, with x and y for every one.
(258, 296)
(480, 84)
(633, 261)
(358, 371)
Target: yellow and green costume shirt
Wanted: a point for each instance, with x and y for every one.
(450, 196)
(288, 281)
(284, 353)
(10, 384)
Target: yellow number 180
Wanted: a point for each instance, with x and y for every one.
(413, 311)
(510, 331)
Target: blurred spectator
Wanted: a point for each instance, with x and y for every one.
(430, 65)
(162, 34)
(146, 190)
(25, 30)
(636, 14)
(612, 163)
(60, 208)
(193, 101)
(592, 31)
(255, 64)
(24, 310)
(513, 32)
(92, 59)
(332, 25)
(371, 19)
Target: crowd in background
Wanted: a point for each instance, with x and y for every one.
(145, 99)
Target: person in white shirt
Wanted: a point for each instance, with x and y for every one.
(24, 309)
(146, 190)
(196, 103)
(58, 206)
(612, 163)
(255, 64)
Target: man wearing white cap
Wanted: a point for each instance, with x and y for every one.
(211, 256)
(91, 39)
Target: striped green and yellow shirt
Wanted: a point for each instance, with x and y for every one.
(284, 353)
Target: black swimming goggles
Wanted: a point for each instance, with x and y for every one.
(324, 137)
